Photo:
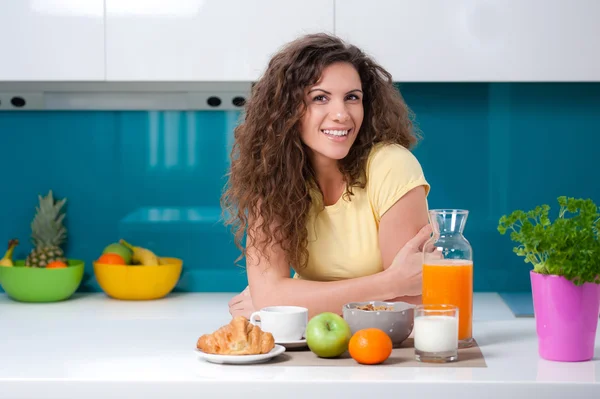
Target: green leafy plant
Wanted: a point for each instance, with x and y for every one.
(567, 246)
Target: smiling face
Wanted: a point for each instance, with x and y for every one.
(334, 113)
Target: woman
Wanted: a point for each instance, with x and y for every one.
(323, 184)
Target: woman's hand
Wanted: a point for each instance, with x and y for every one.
(414, 300)
(407, 267)
(241, 304)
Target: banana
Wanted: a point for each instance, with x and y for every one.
(141, 255)
(7, 259)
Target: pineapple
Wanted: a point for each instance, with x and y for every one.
(47, 233)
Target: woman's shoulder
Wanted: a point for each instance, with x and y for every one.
(391, 155)
(392, 171)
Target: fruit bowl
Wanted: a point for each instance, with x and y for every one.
(397, 321)
(138, 282)
(33, 284)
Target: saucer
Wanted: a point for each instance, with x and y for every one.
(300, 343)
(241, 359)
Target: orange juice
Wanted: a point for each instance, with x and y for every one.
(450, 281)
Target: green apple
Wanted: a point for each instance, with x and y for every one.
(328, 334)
(119, 249)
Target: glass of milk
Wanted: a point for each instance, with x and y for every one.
(436, 333)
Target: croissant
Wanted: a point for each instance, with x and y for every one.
(239, 337)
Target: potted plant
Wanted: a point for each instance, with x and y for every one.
(565, 280)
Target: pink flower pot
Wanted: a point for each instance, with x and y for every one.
(566, 317)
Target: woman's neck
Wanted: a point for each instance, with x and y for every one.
(330, 180)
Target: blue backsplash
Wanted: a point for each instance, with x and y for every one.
(155, 178)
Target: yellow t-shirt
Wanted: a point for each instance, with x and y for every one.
(343, 239)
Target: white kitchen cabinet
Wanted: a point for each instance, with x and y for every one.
(477, 40)
(204, 40)
(52, 40)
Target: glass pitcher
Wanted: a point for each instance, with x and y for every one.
(448, 268)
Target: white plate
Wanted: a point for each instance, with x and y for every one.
(241, 359)
(300, 343)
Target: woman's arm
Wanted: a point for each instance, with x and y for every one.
(398, 225)
(401, 222)
(270, 283)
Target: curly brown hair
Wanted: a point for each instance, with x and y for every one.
(271, 177)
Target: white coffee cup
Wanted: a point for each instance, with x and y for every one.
(286, 323)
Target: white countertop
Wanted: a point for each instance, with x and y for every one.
(94, 347)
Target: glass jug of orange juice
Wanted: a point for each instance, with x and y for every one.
(448, 268)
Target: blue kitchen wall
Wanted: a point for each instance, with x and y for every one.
(155, 178)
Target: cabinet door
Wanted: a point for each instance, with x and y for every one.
(204, 40)
(52, 40)
(474, 40)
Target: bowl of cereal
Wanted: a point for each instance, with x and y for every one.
(396, 319)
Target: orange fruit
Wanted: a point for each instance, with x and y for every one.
(111, 259)
(370, 346)
(56, 265)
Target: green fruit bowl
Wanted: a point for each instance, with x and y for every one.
(32, 284)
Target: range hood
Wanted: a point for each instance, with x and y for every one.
(118, 96)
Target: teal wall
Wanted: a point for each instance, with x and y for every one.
(155, 178)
